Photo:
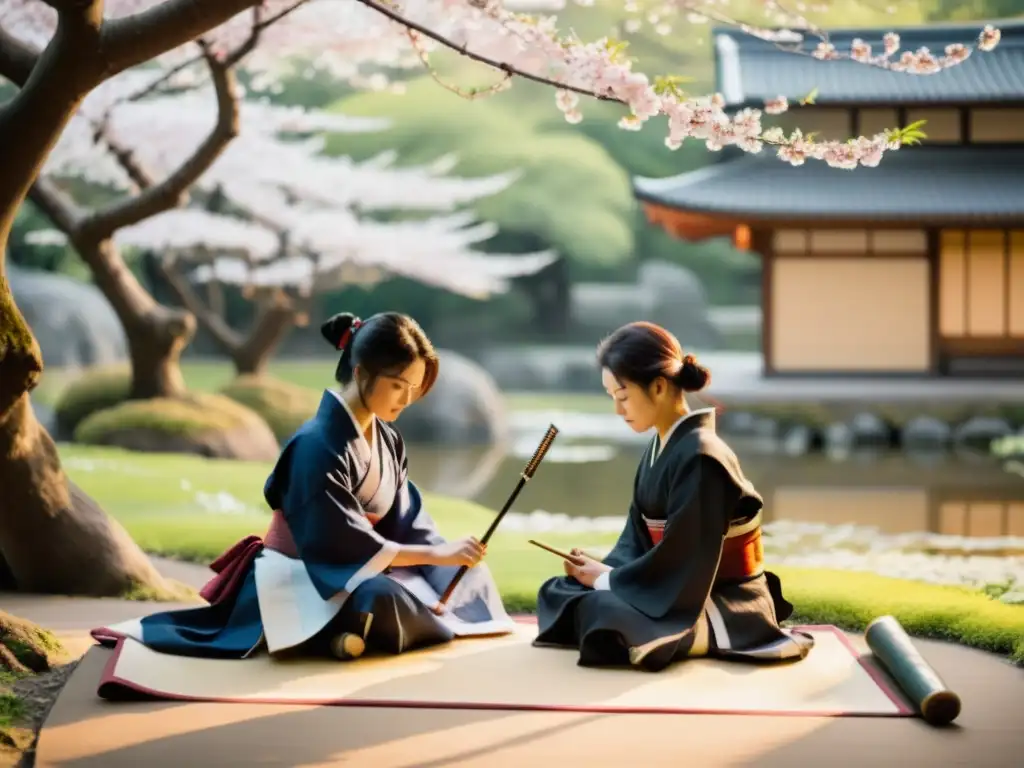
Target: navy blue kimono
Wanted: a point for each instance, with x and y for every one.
(342, 507)
(687, 574)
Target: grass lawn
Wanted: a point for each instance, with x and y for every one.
(211, 376)
(193, 508)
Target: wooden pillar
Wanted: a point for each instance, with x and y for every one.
(762, 243)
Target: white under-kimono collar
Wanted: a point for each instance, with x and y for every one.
(659, 445)
(364, 445)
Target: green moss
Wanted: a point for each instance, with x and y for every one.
(95, 390)
(34, 651)
(11, 707)
(33, 646)
(175, 592)
(188, 417)
(283, 405)
(14, 331)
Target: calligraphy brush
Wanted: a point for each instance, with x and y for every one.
(524, 478)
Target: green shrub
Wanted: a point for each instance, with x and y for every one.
(188, 417)
(284, 406)
(94, 390)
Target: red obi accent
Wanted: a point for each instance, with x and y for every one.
(656, 528)
(279, 536)
(742, 556)
(231, 568)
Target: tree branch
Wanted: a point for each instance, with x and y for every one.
(58, 206)
(173, 191)
(16, 59)
(32, 121)
(226, 337)
(125, 157)
(508, 69)
(168, 75)
(276, 316)
(131, 40)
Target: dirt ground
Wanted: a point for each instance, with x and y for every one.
(38, 694)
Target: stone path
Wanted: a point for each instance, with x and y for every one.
(83, 730)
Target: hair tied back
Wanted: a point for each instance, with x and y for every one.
(346, 337)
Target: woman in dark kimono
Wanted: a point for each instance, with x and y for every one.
(686, 577)
(351, 558)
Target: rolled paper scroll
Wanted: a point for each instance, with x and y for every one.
(892, 646)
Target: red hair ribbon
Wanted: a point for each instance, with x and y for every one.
(346, 337)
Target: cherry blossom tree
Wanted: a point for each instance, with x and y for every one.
(286, 226)
(53, 538)
(57, 51)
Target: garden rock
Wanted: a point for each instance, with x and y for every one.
(869, 429)
(766, 428)
(798, 440)
(465, 407)
(926, 431)
(838, 435)
(738, 422)
(72, 321)
(980, 431)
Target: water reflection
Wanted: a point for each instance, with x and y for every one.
(947, 494)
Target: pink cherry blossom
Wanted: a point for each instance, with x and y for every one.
(352, 37)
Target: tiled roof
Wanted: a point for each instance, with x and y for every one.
(751, 71)
(939, 184)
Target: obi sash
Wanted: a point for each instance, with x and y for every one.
(742, 552)
(232, 567)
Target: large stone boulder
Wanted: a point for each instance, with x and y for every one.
(284, 406)
(664, 293)
(980, 431)
(72, 321)
(465, 407)
(207, 425)
(926, 432)
(680, 303)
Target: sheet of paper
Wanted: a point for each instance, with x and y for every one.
(426, 594)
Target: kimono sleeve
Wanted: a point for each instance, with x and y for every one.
(676, 575)
(629, 545)
(339, 548)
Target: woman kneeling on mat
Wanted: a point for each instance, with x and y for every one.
(686, 577)
(351, 559)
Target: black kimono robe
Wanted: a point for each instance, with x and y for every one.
(687, 574)
(342, 507)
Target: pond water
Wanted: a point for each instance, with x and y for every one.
(946, 517)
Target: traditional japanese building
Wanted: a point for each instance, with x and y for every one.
(915, 267)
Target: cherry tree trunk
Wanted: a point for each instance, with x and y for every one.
(156, 334)
(53, 537)
(254, 354)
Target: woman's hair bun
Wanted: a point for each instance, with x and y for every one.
(336, 328)
(693, 377)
